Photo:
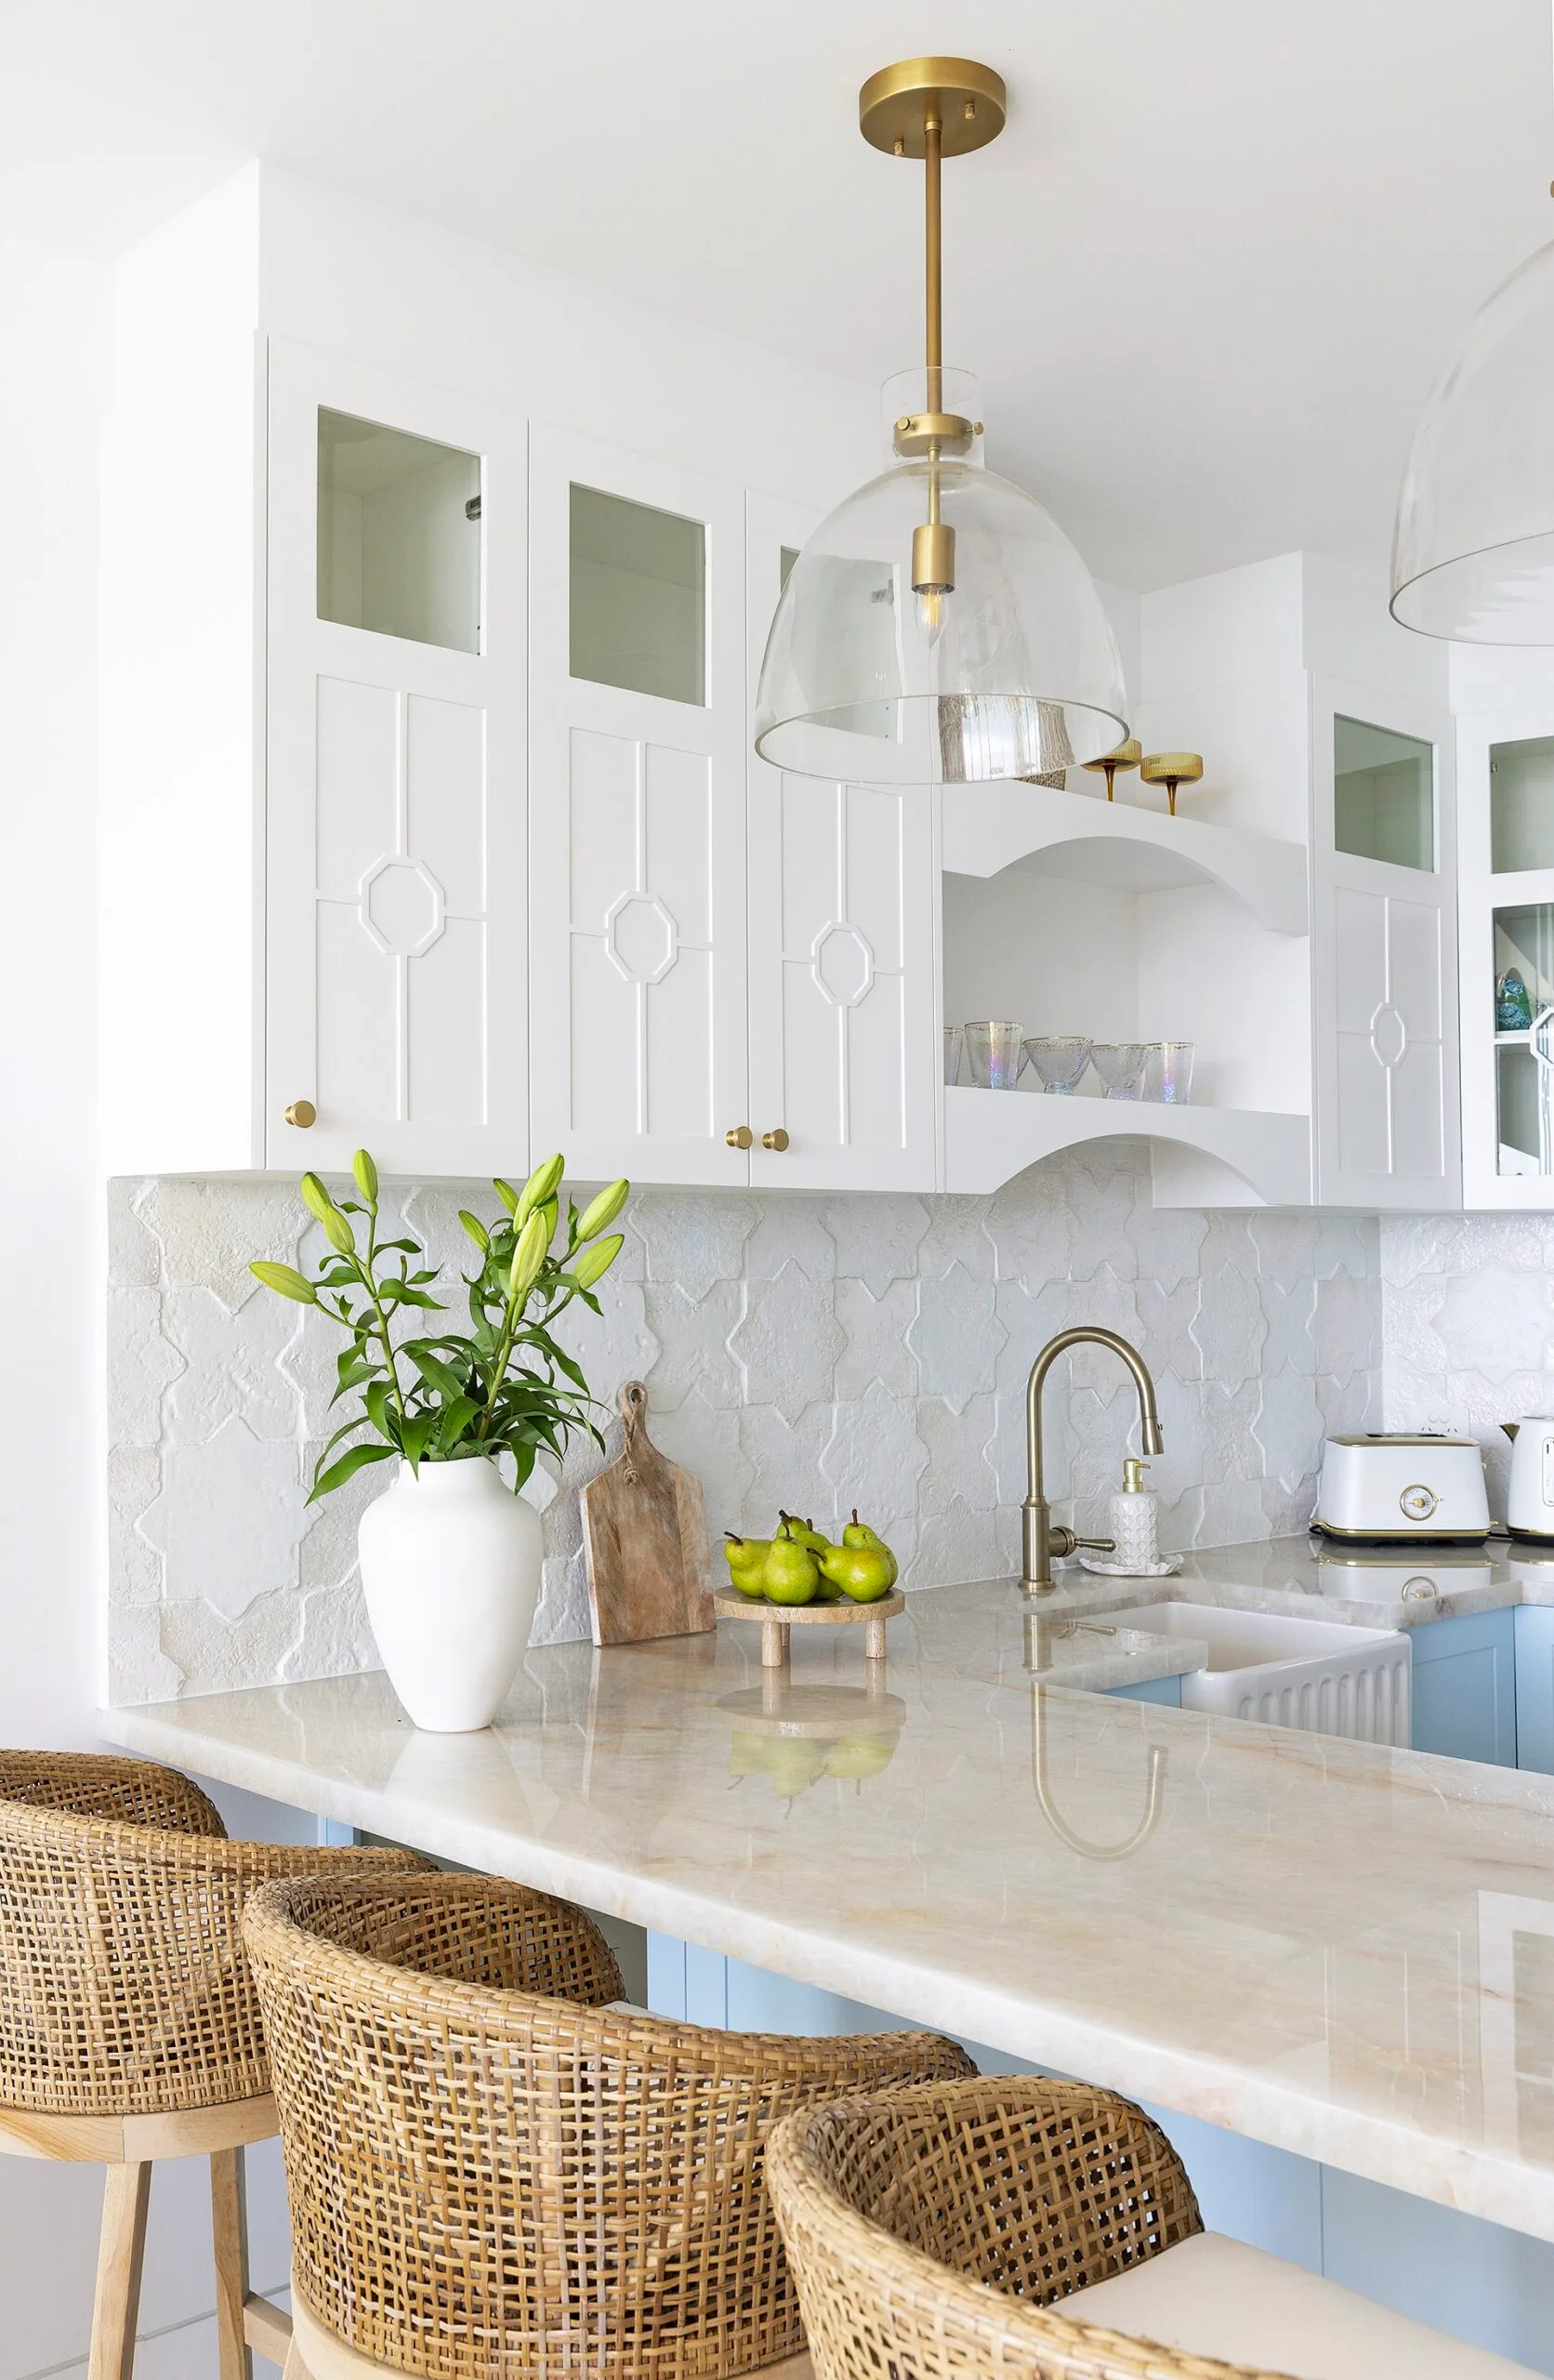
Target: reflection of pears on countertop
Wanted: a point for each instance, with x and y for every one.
(797, 1735)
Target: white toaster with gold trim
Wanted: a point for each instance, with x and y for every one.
(1390, 1484)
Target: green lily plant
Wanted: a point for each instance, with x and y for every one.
(504, 1386)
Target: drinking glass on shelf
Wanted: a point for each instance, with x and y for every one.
(1168, 1075)
(1121, 1067)
(1060, 1059)
(993, 1055)
(955, 1042)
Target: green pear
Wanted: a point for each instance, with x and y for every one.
(746, 1755)
(857, 1533)
(803, 1533)
(862, 1572)
(746, 1558)
(793, 1764)
(790, 1573)
(861, 1755)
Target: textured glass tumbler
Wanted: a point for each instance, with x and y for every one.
(993, 1055)
(1168, 1075)
(1121, 1067)
(955, 1042)
(1060, 1059)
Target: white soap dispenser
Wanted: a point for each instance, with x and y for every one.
(1134, 1521)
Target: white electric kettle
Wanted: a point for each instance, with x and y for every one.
(1530, 1496)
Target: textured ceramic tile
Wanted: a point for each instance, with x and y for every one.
(146, 1363)
(194, 1524)
(787, 1342)
(955, 1335)
(798, 1351)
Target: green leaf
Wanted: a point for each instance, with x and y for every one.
(455, 1419)
(285, 1280)
(434, 1372)
(602, 1213)
(366, 1173)
(416, 1437)
(325, 1482)
(377, 1403)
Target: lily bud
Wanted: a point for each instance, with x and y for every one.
(542, 1184)
(602, 1213)
(528, 1256)
(594, 1261)
(286, 1281)
(315, 1197)
(366, 1173)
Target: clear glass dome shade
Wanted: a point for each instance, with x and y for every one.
(1473, 549)
(1013, 673)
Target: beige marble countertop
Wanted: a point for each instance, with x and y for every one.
(1398, 1586)
(1341, 1949)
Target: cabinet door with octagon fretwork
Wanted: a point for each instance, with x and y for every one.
(843, 1082)
(636, 815)
(395, 979)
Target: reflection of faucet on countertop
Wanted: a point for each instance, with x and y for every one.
(1039, 1540)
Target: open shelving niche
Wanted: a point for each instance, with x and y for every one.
(1076, 915)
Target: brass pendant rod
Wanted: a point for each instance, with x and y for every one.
(932, 137)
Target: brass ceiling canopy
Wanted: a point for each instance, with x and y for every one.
(968, 100)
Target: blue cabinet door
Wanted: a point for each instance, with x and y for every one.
(1535, 1688)
(1464, 1686)
(1155, 1689)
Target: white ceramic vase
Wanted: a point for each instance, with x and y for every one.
(451, 1575)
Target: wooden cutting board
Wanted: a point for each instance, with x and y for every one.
(645, 1541)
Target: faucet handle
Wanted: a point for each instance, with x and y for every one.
(1062, 1542)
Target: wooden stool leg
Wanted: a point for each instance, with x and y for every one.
(121, 2252)
(295, 2368)
(229, 2224)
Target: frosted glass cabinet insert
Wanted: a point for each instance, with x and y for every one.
(396, 991)
(1385, 954)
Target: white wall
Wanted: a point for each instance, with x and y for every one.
(55, 342)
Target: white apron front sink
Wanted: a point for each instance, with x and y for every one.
(1315, 1674)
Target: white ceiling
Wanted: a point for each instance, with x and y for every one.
(1208, 275)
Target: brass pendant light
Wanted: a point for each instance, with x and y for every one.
(938, 627)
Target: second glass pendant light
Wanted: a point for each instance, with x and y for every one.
(938, 627)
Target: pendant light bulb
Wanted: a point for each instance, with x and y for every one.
(938, 628)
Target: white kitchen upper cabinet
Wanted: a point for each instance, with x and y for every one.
(636, 774)
(395, 861)
(842, 960)
(1383, 955)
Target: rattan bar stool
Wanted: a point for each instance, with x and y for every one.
(1031, 2229)
(130, 2029)
(494, 2172)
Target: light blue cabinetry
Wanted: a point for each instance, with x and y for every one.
(1464, 1686)
(1155, 1689)
(1535, 1687)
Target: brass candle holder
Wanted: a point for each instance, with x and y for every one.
(1171, 769)
(1126, 755)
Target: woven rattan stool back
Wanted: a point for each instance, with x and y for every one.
(935, 2232)
(124, 1986)
(487, 2176)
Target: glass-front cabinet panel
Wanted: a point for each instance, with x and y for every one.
(638, 597)
(399, 533)
(1523, 1058)
(1383, 794)
(1521, 804)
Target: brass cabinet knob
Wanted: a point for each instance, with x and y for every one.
(741, 1137)
(778, 1140)
(302, 1113)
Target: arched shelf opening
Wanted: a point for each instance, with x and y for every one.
(1208, 1156)
(1044, 829)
